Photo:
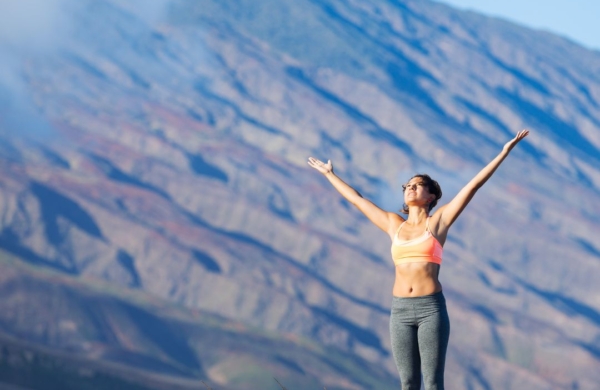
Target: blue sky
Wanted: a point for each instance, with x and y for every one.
(578, 20)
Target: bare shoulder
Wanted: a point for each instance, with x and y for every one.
(435, 220)
(395, 221)
(436, 226)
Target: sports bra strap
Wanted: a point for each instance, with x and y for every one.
(400, 227)
(426, 226)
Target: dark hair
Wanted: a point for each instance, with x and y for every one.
(432, 187)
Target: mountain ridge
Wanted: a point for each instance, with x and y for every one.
(178, 169)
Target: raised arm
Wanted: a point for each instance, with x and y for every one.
(381, 218)
(447, 214)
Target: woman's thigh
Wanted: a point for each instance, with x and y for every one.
(433, 336)
(405, 348)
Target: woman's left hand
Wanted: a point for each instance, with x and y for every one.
(511, 144)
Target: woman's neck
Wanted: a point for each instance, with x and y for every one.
(416, 215)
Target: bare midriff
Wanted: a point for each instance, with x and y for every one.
(416, 279)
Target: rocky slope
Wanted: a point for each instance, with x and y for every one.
(163, 151)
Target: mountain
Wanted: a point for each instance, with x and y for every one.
(154, 156)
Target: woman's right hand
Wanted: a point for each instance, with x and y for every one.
(511, 144)
(381, 218)
(320, 165)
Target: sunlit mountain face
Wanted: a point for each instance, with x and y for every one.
(160, 228)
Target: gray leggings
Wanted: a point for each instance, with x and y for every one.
(419, 330)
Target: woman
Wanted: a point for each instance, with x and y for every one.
(419, 324)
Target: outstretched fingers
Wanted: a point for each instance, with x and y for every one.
(522, 134)
(313, 162)
(320, 165)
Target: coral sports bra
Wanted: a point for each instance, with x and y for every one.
(425, 248)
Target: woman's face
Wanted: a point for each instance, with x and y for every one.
(416, 192)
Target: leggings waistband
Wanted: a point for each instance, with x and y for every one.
(435, 298)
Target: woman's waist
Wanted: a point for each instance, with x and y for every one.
(416, 282)
(436, 296)
(425, 304)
